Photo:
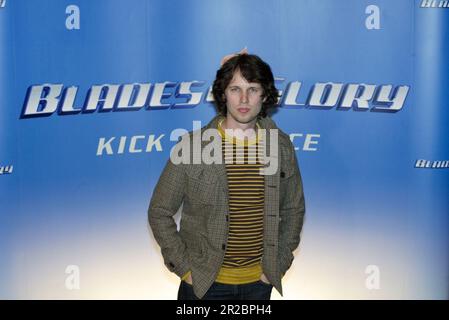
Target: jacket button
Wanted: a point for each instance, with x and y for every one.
(171, 265)
(227, 218)
(223, 246)
(282, 174)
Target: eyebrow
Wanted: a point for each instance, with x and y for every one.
(250, 86)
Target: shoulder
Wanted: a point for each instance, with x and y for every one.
(284, 139)
(285, 144)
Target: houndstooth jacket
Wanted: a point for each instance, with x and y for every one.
(202, 189)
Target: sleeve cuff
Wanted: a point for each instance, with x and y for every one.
(186, 275)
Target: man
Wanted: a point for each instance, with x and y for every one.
(240, 221)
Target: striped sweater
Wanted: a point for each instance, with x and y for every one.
(242, 261)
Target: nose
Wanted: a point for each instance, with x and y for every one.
(244, 97)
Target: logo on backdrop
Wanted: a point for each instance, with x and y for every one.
(46, 99)
(435, 4)
(6, 169)
(427, 164)
(2, 3)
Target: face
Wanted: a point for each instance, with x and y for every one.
(244, 102)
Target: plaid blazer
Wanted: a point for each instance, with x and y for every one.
(202, 190)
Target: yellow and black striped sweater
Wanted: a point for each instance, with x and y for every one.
(242, 261)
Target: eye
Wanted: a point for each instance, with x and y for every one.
(233, 89)
(254, 90)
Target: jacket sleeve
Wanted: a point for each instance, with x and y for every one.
(167, 198)
(291, 213)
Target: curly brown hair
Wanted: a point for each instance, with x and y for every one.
(253, 69)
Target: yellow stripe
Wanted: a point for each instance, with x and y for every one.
(239, 275)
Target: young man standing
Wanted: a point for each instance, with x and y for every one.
(241, 220)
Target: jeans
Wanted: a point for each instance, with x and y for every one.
(218, 291)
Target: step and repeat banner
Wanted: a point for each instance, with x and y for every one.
(91, 91)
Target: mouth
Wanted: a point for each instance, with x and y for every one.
(243, 110)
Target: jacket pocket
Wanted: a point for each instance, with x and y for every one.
(201, 185)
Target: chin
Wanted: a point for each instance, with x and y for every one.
(245, 120)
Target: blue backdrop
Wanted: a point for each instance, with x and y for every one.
(78, 163)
